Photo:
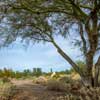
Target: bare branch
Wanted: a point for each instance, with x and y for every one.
(83, 39)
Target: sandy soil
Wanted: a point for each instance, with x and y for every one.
(26, 90)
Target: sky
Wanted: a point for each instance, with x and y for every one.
(45, 56)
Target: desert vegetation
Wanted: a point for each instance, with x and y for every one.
(6, 89)
(35, 21)
(64, 85)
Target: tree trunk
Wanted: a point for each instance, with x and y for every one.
(89, 73)
(87, 78)
(97, 73)
(92, 78)
(96, 83)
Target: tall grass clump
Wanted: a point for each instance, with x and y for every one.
(56, 85)
(6, 90)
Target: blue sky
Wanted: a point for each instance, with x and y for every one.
(45, 56)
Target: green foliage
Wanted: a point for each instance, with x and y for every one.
(5, 80)
(18, 74)
(27, 73)
(67, 71)
(9, 73)
(6, 91)
(29, 19)
(65, 79)
(37, 71)
(81, 65)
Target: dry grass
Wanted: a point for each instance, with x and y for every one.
(65, 79)
(56, 85)
(41, 80)
(74, 91)
(54, 90)
(6, 91)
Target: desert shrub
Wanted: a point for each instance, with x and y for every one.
(65, 79)
(40, 80)
(34, 79)
(5, 80)
(81, 65)
(57, 76)
(83, 93)
(56, 85)
(6, 91)
(90, 94)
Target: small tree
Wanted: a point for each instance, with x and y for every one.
(42, 20)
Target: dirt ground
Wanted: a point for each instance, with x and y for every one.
(26, 90)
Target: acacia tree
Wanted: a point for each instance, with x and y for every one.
(42, 20)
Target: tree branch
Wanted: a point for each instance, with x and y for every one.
(41, 10)
(86, 7)
(78, 9)
(40, 39)
(65, 56)
(83, 39)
